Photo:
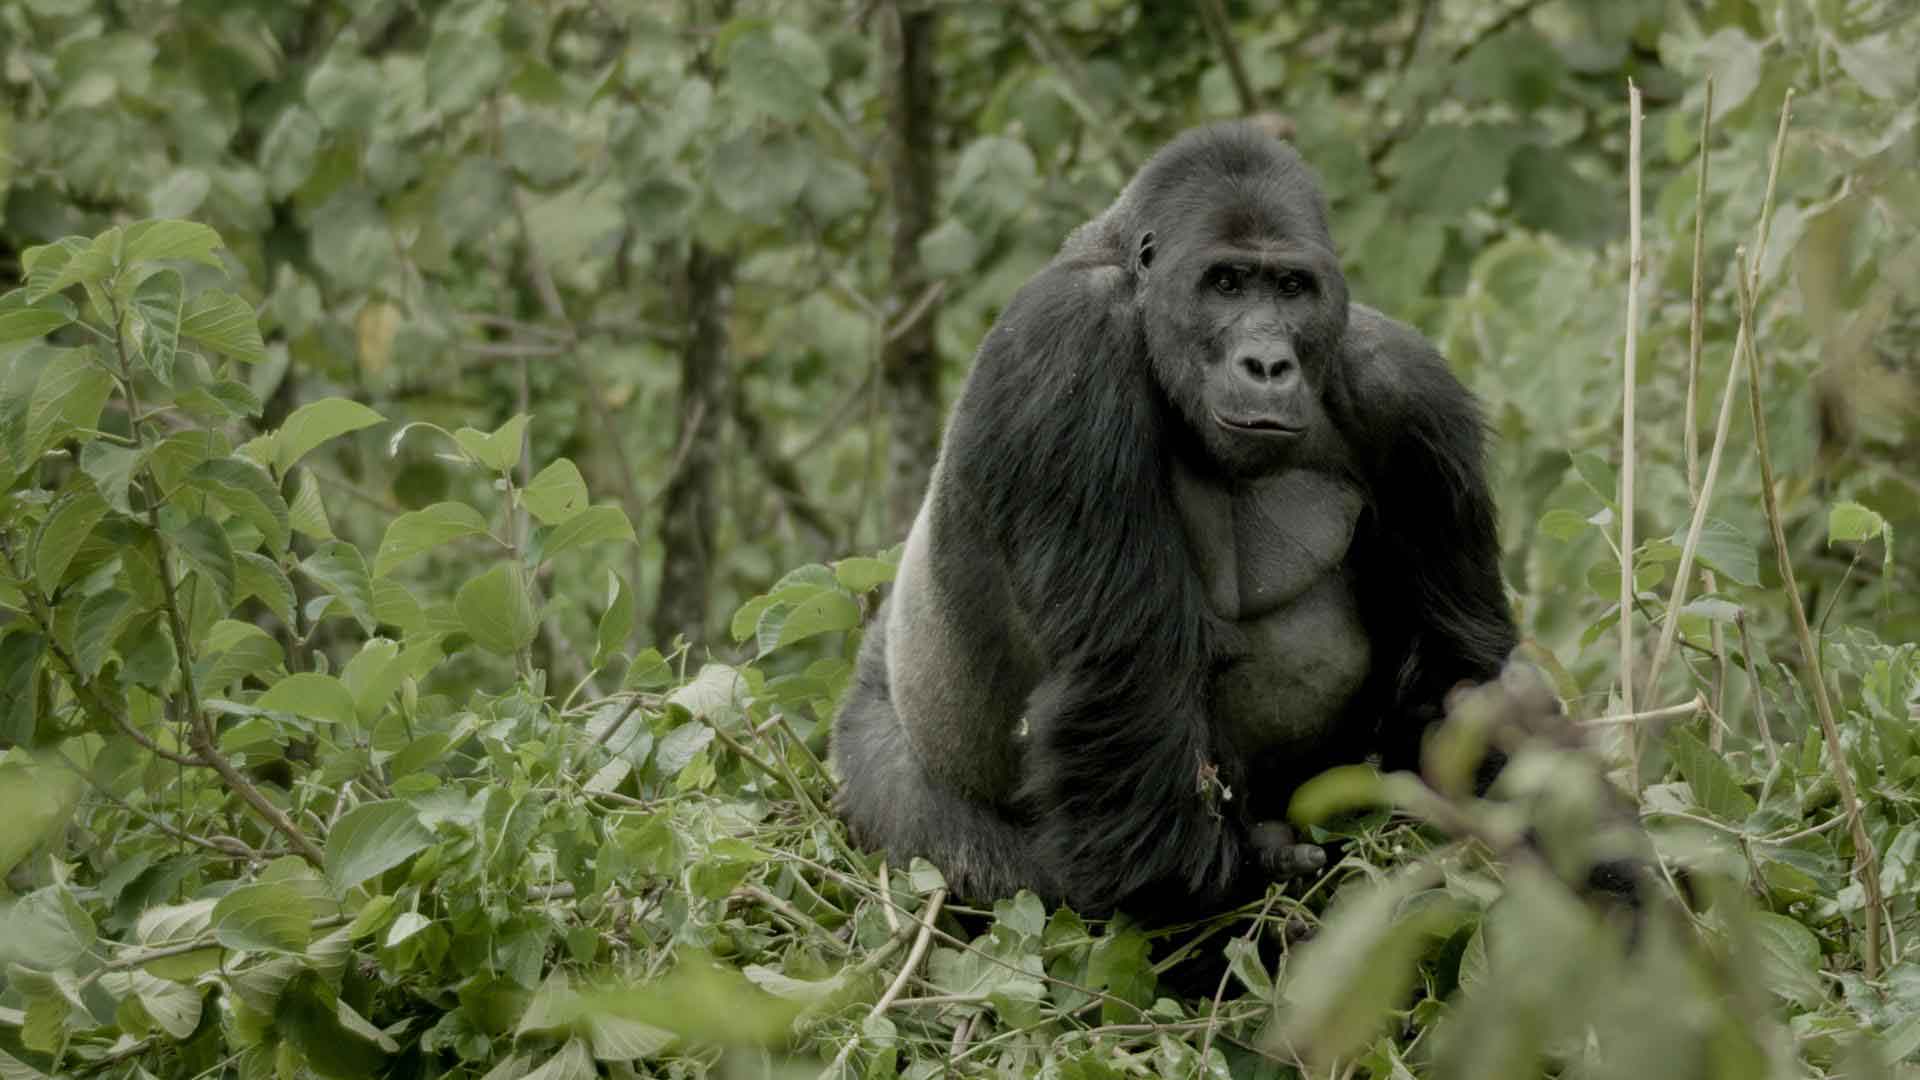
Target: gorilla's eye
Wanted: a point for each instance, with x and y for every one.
(1227, 280)
(1293, 283)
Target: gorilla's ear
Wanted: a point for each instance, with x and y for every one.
(1143, 255)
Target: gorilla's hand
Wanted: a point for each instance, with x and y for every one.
(1281, 856)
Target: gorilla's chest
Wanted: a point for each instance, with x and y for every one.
(1271, 555)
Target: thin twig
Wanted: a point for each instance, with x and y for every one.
(1220, 991)
(1629, 367)
(1696, 305)
(1214, 14)
(920, 943)
(1671, 712)
(1865, 861)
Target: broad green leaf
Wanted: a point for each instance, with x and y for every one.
(556, 494)
(371, 839)
(69, 391)
(1713, 783)
(497, 609)
(311, 695)
(21, 321)
(89, 263)
(649, 671)
(36, 800)
(760, 176)
(148, 241)
(263, 917)
(824, 612)
(422, 530)
(158, 303)
(173, 1007)
(61, 535)
(862, 572)
(1725, 551)
(1563, 525)
(777, 69)
(315, 423)
(1850, 522)
(205, 547)
(309, 1015)
(463, 67)
(594, 525)
(112, 467)
(1243, 959)
(307, 514)
(498, 451)
(234, 650)
(616, 623)
(258, 576)
(225, 323)
(1337, 791)
(245, 489)
(1790, 955)
(101, 618)
(1345, 982)
(341, 570)
(288, 150)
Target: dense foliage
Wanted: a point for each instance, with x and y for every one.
(397, 399)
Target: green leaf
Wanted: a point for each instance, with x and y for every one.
(341, 570)
(371, 839)
(112, 467)
(412, 533)
(824, 612)
(69, 390)
(497, 609)
(315, 423)
(148, 241)
(1346, 982)
(1852, 523)
(158, 303)
(759, 176)
(258, 576)
(311, 695)
(556, 494)
(100, 620)
(861, 573)
(224, 323)
(1790, 955)
(65, 529)
(245, 489)
(1243, 959)
(71, 261)
(778, 70)
(1724, 550)
(616, 623)
(307, 1014)
(36, 800)
(263, 917)
(205, 547)
(22, 321)
(287, 152)
(174, 1007)
(235, 650)
(498, 451)
(594, 525)
(1713, 783)
(1337, 791)
(307, 514)
(462, 68)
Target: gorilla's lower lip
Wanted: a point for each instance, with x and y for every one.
(1258, 425)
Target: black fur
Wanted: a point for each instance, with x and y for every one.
(1052, 579)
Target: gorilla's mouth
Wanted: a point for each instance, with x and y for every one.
(1257, 425)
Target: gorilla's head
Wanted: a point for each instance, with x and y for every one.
(1238, 291)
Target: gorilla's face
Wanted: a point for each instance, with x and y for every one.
(1243, 311)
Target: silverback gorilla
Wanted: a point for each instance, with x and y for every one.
(1200, 528)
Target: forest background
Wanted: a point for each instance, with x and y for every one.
(450, 449)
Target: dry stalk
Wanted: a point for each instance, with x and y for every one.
(1627, 456)
(1865, 862)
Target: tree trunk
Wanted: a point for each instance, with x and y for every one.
(692, 495)
(910, 365)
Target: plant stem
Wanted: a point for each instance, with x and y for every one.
(1627, 456)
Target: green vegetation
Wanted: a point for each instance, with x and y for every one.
(410, 415)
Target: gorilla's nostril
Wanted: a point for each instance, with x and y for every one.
(1254, 366)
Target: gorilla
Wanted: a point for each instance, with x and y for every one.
(1200, 528)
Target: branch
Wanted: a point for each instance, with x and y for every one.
(1214, 14)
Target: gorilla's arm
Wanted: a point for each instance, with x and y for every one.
(1429, 560)
(1055, 459)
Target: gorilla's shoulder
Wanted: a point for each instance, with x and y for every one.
(1375, 337)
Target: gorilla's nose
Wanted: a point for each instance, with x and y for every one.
(1271, 366)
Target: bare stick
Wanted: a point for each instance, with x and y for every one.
(919, 950)
(1747, 273)
(1671, 712)
(1627, 457)
(1694, 308)
(1865, 862)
